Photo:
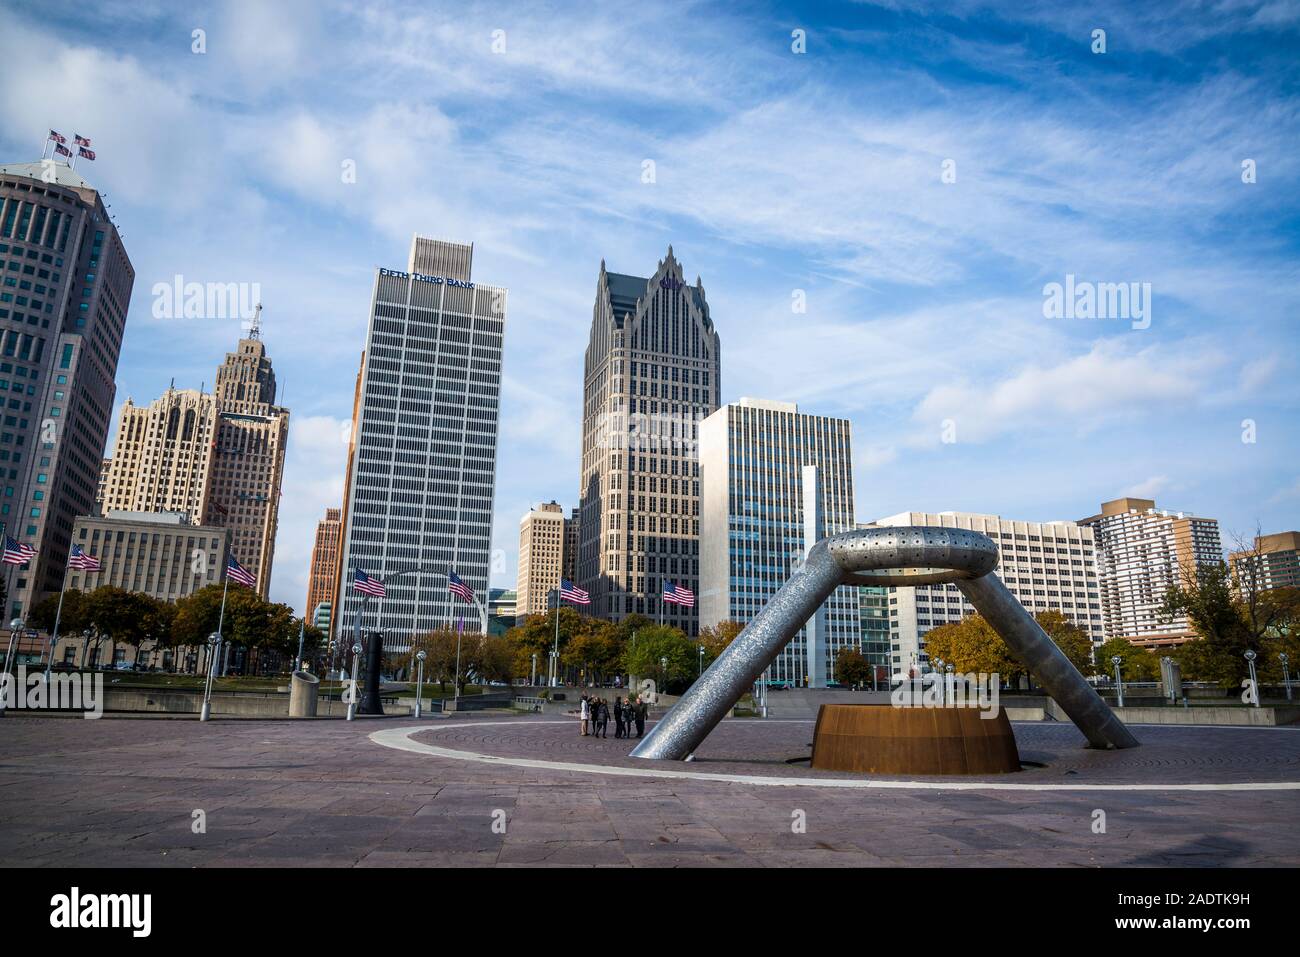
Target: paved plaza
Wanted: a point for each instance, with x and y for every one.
(441, 792)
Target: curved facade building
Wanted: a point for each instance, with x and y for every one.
(64, 294)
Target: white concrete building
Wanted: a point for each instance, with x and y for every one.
(1046, 565)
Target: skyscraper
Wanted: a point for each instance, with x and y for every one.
(651, 373)
(325, 555)
(248, 459)
(761, 465)
(1273, 562)
(423, 471)
(218, 457)
(1046, 565)
(1143, 551)
(541, 557)
(162, 456)
(67, 283)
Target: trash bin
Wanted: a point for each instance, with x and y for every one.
(303, 687)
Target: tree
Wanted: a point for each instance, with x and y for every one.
(1069, 637)
(972, 645)
(1138, 664)
(535, 635)
(594, 651)
(1232, 615)
(71, 621)
(716, 638)
(852, 668)
(439, 647)
(654, 643)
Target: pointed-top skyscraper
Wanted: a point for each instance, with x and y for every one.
(652, 372)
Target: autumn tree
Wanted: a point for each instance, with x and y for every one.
(852, 668)
(716, 638)
(1069, 637)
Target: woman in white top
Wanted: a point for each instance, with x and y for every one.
(584, 712)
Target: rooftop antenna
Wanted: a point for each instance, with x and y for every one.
(255, 324)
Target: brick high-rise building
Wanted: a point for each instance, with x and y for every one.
(1142, 552)
(1273, 562)
(652, 372)
(248, 458)
(66, 285)
(541, 557)
(325, 556)
(218, 457)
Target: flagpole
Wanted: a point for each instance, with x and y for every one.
(555, 652)
(54, 637)
(221, 619)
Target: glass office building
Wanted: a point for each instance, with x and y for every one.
(422, 473)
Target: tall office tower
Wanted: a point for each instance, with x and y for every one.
(105, 465)
(651, 373)
(1142, 552)
(248, 460)
(424, 469)
(162, 457)
(761, 465)
(325, 555)
(572, 529)
(1274, 562)
(353, 426)
(1046, 565)
(222, 465)
(541, 557)
(63, 300)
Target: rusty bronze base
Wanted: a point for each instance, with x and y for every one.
(886, 740)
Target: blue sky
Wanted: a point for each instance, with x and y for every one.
(775, 172)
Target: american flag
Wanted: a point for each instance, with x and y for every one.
(58, 137)
(79, 559)
(458, 587)
(88, 154)
(17, 553)
(571, 592)
(81, 140)
(367, 585)
(62, 150)
(238, 573)
(675, 594)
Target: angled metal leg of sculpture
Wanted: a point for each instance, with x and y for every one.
(908, 556)
(1047, 663)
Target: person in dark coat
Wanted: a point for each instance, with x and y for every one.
(602, 719)
(620, 719)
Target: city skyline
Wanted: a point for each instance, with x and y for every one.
(922, 306)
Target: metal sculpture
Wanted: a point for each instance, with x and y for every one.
(902, 556)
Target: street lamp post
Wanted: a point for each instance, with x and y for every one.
(15, 627)
(352, 688)
(1119, 682)
(1286, 674)
(937, 664)
(533, 680)
(1254, 682)
(214, 642)
(950, 683)
(663, 672)
(701, 659)
(419, 687)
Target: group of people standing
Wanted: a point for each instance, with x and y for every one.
(594, 714)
